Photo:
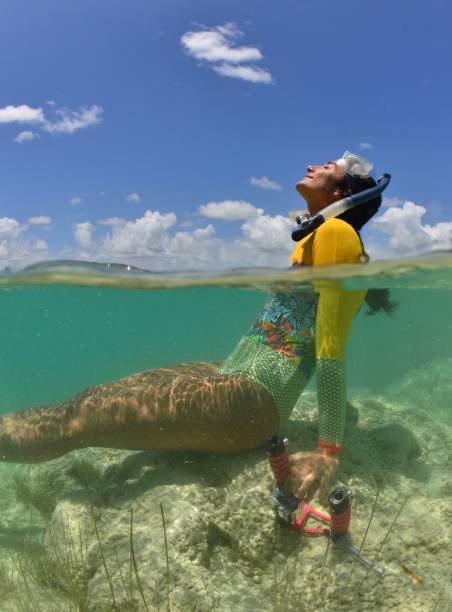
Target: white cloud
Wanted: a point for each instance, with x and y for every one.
(407, 235)
(391, 202)
(25, 136)
(10, 245)
(40, 245)
(186, 224)
(75, 200)
(15, 248)
(149, 242)
(265, 183)
(440, 235)
(246, 73)
(133, 197)
(269, 233)
(111, 221)
(65, 121)
(193, 250)
(153, 241)
(204, 232)
(69, 121)
(40, 220)
(264, 243)
(366, 145)
(21, 114)
(218, 46)
(9, 228)
(144, 236)
(230, 210)
(83, 233)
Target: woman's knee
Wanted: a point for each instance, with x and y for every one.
(248, 414)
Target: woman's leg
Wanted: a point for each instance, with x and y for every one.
(188, 407)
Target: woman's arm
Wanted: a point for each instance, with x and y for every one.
(335, 242)
(335, 314)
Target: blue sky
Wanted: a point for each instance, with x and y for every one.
(120, 123)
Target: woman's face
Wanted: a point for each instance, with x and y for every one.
(319, 186)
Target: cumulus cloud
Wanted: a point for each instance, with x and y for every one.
(269, 233)
(16, 251)
(11, 247)
(68, 121)
(61, 121)
(185, 224)
(216, 45)
(21, 114)
(9, 228)
(133, 197)
(144, 236)
(149, 241)
(25, 136)
(366, 145)
(111, 221)
(218, 48)
(40, 245)
(265, 183)
(246, 73)
(408, 235)
(39, 220)
(153, 241)
(229, 210)
(75, 200)
(391, 202)
(83, 233)
(204, 232)
(262, 243)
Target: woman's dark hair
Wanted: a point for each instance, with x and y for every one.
(376, 299)
(379, 299)
(360, 214)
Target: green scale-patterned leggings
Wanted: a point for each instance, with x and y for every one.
(278, 352)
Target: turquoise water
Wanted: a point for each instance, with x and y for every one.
(66, 328)
(59, 338)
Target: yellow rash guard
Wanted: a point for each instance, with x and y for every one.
(300, 331)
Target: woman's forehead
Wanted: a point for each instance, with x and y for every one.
(340, 170)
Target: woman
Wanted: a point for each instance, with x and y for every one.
(201, 407)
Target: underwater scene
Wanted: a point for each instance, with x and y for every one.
(111, 529)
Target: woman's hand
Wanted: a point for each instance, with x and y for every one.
(310, 474)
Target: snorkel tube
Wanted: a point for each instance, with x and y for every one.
(306, 225)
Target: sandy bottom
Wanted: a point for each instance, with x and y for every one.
(87, 532)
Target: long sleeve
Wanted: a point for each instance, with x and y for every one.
(335, 242)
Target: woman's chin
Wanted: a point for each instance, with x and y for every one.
(302, 188)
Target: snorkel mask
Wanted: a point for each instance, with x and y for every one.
(355, 166)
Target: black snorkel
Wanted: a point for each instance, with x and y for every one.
(306, 225)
